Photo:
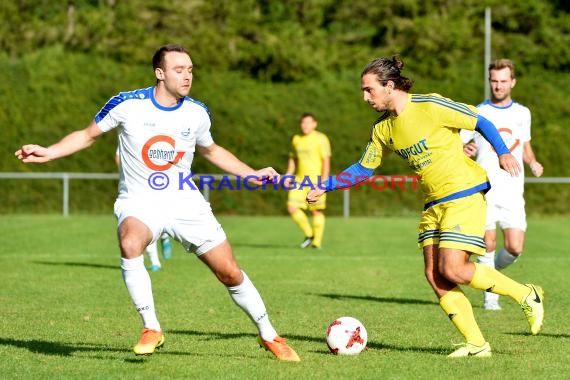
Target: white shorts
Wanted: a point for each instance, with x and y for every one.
(509, 214)
(190, 221)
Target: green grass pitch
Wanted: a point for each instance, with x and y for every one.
(66, 313)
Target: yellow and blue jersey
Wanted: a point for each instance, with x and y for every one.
(309, 151)
(426, 135)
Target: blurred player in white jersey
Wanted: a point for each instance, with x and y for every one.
(505, 202)
(152, 249)
(159, 128)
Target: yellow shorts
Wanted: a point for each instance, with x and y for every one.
(457, 224)
(298, 198)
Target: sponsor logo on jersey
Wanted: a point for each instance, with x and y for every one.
(507, 135)
(413, 150)
(160, 148)
(371, 155)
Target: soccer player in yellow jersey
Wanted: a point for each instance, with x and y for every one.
(309, 161)
(424, 131)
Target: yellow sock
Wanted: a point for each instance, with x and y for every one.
(302, 221)
(491, 280)
(318, 229)
(459, 310)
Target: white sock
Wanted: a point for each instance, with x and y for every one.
(152, 252)
(246, 296)
(139, 286)
(504, 258)
(489, 260)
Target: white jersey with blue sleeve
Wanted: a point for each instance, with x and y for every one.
(156, 143)
(513, 123)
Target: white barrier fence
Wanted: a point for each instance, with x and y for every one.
(65, 177)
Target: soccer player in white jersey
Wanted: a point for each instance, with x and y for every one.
(505, 202)
(159, 129)
(152, 249)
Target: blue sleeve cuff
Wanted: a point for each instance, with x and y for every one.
(354, 174)
(490, 133)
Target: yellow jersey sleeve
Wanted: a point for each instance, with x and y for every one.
(447, 112)
(325, 146)
(376, 149)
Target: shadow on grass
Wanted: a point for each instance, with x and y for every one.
(393, 347)
(71, 349)
(56, 348)
(373, 346)
(548, 335)
(403, 301)
(76, 264)
(320, 340)
(212, 335)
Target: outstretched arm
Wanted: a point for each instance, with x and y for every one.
(229, 163)
(73, 142)
(506, 160)
(354, 174)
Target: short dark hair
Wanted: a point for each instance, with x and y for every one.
(308, 114)
(158, 57)
(387, 69)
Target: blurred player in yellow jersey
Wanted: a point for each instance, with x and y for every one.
(423, 129)
(309, 161)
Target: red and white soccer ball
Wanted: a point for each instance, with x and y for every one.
(346, 336)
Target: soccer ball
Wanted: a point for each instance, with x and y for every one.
(346, 336)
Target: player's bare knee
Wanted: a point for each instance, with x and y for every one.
(514, 248)
(231, 277)
(454, 274)
(438, 283)
(131, 247)
(291, 210)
